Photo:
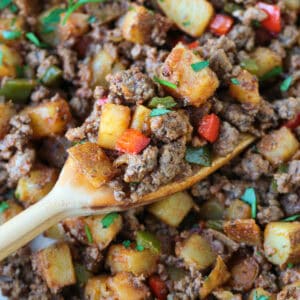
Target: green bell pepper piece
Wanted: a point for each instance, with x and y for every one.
(52, 77)
(148, 240)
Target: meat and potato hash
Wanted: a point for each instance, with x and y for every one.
(156, 88)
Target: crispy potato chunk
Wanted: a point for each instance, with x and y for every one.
(282, 243)
(226, 295)
(50, 118)
(121, 259)
(55, 266)
(172, 209)
(10, 59)
(93, 163)
(7, 110)
(37, 184)
(141, 119)
(217, 277)
(115, 119)
(247, 90)
(125, 286)
(12, 210)
(191, 16)
(97, 288)
(194, 87)
(278, 146)
(243, 231)
(238, 210)
(55, 232)
(196, 251)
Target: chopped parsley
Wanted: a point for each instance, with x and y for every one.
(109, 219)
(51, 20)
(139, 248)
(5, 3)
(291, 218)
(255, 23)
(165, 82)
(285, 85)
(273, 73)
(261, 297)
(186, 23)
(290, 265)
(159, 112)
(126, 243)
(198, 66)
(1, 58)
(92, 19)
(3, 206)
(34, 39)
(283, 168)
(198, 155)
(235, 81)
(88, 233)
(11, 34)
(167, 102)
(249, 197)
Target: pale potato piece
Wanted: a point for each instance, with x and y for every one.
(247, 90)
(55, 232)
(196, 251)
(141, 119)
(12, 210)
(115, 119)
(93, 163)
(125, 287)
(282, 243)
(55, 266)
(36, 184)
(193, 87)
(10, 59)
(121, 259)
(191, 16)
(50, 118)
(172, 209)
(278, 146)
(97, 288)
(7, 110)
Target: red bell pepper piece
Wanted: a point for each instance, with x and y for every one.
(272, 22)
(193, 45)
(102, 101)
(209, 127)
(292, 124)
(158, 287)
(221, 24)
(132, 141)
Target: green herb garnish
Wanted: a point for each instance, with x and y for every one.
(283, 168)
(159, 112)
(255, 23)
(186, 23)
(92, 19)
(126, 243)
(250, 198)
(51, 20)
(11, 34)
(139, 248)
(198, 66)
(3, 206)
(109, 219)
(290, 265)
(165, 82)
(291, 218)
(5, 3)
(235, 81)
(1, 58)
(285, 85)
(199, 156)
(34, 39)
(167, 102)
(261, 297)
(273, 73)
(88, 233)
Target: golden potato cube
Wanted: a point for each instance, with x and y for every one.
(97, 288)
(93, 163)
(103, 236)
(141, 119)
(55, 265)
(258, 292)
(226, 295)
(282, 243)
(50, 118)
(191, 16)
(7, 110)
(35, 185)
(121, 259)
(10, 60)
(125, 287)
(55, 232)
(12, 210)
(238, 210)
(278, 146)
(246, 91)
(115, 119)
(172, 209)
(266, 60)
(196, 251)
(217, 277)
(193, 87)
(243, 231)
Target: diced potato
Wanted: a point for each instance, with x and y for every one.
(243, 274)
(55, 266)
(125, 287)
(103, 236)
(191, 16)
(266, 60)
(103, 64)
(226, 295)
(10, 24)
(212, 210)
(50, 118)
(196, 251)
(76, 228)
(10, 60)
(37, 184)
(115, 119)
(217, 277)
(172, 209)
(7, 110)
(292, 4)
(256, 293)
(194, 87)
(55, 232)
(282, 243)
(246, 91)
(278, 146)
(92, 161)
(12, 210)
(243, 231)
(238, 210)
(97, 288)
(141, 118)
(121, 259)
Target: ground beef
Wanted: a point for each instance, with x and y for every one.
(287, 109)
(69, 61)
(271, 213)
(267, 281)
(289, 36)
(227, 140)
(40, 93)
(201, 189)
(131, 86)
(92, 258)
(291, 203)
(289, 276)
(289, 293)
(243, 36)
(171, 126)
(266, 115)
(253, 14)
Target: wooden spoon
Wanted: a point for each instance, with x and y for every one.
(74, 195)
